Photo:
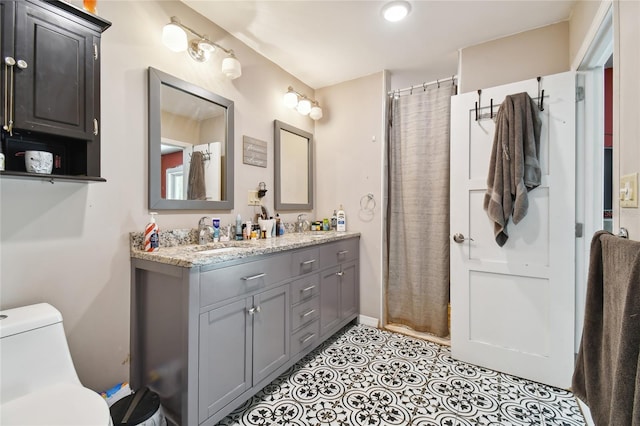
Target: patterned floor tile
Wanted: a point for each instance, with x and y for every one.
(366, 376)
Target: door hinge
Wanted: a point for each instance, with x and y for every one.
(95, 51)
(579, 93)
(579, 231)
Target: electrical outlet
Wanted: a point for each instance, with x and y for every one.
(629, 191)
(253, 199)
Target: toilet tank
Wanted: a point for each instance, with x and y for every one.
(33, 351)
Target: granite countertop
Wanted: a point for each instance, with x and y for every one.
(187, 254)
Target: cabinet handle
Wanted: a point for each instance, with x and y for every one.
(307, 338)
(95, 127)
(22, 64)
(308, 313)
(9, 62)
(95, 52)
(343, 252)
(308, 262)
(254, 310)
(254, 277)
(306, 289)
(340, 273)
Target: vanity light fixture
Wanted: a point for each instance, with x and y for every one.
(175, 38)
(302, 103)
(396, 10)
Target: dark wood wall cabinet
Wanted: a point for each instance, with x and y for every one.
(50, 81)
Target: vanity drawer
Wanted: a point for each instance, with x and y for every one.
(238, 280)
(305, 261)
(339, 252)
(305, 288)
(305, 312)
(305, 337)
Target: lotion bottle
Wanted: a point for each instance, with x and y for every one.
(341, 225)
(151, 238)
(239, 228)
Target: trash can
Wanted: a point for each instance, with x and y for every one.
(139, 409)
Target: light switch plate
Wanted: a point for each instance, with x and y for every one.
(629, 191)
(253, 199)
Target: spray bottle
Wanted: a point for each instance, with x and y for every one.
(151, 237)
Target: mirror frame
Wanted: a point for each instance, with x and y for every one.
(158, 78)
(279, 205)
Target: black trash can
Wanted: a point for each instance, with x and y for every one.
(140, 409)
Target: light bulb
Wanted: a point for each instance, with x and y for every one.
(174, 37)
(290, 99)
(206, 46)
(315, 113)
(231, 67)
(396, 11)
(304, 106)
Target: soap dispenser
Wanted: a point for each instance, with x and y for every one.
(151, 237)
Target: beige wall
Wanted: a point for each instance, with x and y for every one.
(349, 151)
(543, 51)
(626, 113)
(582, 15)
(67, 243)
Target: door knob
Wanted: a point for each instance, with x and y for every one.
(459, 238)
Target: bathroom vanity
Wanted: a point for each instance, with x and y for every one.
(212, 325)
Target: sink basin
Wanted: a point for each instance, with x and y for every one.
(217, 250)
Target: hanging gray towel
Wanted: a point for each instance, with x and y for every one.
(196, 189)
(514, 168)
(607, 371)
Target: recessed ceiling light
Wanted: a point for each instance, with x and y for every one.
(396, 11)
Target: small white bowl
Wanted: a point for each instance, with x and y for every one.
(38, 162)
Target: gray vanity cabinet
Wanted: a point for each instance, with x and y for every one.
(241, 344)
(207, 338)
(339, 297)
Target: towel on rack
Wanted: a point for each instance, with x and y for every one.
(514, 167)
(196, 189)
(607, 371)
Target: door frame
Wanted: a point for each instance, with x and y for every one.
(589, 64)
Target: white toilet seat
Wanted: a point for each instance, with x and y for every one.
(60, 404)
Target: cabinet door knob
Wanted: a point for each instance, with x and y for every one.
(254, 310)
(22, 64)
(95, 127)
(340, 273)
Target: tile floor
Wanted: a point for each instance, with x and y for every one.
(365, 376)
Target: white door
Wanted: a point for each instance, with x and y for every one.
(512, 307)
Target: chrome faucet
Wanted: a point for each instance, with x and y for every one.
(300, 225)
(204, 230)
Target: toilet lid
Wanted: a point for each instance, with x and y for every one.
(60, 404)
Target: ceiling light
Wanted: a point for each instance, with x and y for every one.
(316, 112)
(396, 11)
(302, 104)
(231, 67)
(174, 36)
(290, 98)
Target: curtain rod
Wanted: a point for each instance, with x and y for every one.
(421, 86)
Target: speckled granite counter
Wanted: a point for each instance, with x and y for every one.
(178, 248)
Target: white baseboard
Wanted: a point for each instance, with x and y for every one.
(586, 412)
(370, 321)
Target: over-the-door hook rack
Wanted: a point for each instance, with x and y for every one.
(540, 95)
(478, 104)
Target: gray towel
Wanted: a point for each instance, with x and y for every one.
(607, 371)
(196, 189)
(514, 168)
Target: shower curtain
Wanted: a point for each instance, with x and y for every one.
(417, 287)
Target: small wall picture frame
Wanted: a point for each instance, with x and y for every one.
(254, 152)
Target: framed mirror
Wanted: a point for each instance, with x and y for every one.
(190, 146)
(293, 167)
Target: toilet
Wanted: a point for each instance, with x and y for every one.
(38, 382)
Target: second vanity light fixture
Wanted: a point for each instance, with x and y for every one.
(174, 37)
(302, 103)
